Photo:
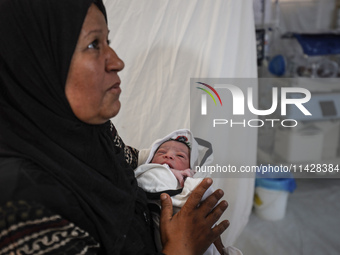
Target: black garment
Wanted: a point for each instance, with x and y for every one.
(89, 174)
(55, 209)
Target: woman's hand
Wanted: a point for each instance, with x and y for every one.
(190, 230)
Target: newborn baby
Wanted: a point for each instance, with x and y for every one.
(168, 170)
(176, 155)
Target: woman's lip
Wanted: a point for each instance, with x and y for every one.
(115, 86)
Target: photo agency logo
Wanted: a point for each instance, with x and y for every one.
(281, 98)
(204, 97)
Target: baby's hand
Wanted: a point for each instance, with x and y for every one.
(181, 175)
(185, 173)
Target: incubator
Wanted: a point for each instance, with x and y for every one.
(313, 66)
(315, 138)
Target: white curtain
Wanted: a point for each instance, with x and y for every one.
(164, 43)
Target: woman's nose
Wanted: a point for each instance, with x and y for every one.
(113, 62)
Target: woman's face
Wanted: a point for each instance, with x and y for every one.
(93, 85)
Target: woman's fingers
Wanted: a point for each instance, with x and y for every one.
(166, 216)
(220, 228)
(208, 206)
(191, 230)
(207, 209)
(197, 194)
(217, 212)
(167, 210)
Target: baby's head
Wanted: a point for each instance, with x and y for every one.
(186, 141)
(174, 152)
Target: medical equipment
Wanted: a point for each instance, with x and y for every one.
(315, 138)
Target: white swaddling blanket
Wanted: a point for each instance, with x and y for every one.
(155, 178)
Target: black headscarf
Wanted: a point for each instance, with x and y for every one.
(37, 41)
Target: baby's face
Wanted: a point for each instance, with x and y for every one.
(173, 153)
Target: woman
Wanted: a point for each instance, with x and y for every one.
(66, 181)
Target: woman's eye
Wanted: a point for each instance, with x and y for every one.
(94, 45)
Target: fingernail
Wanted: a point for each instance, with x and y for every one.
(209, 181)
(225, 204)
(163, 197)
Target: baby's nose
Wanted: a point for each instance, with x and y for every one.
(169, 155)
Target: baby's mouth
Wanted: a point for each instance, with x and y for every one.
(168, 164)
